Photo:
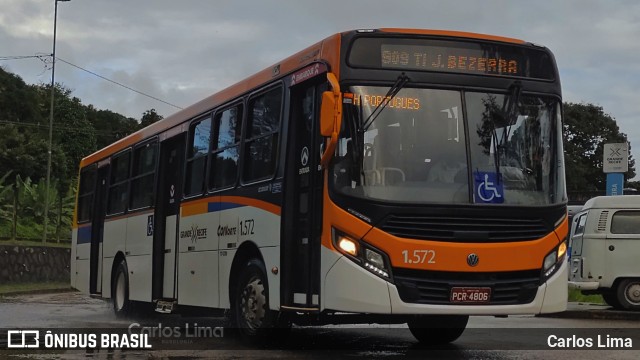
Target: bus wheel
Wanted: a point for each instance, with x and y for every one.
(251, 313)
(629, 294)
(120, 290)
(437, 329)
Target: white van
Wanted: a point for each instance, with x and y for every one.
(605, 250)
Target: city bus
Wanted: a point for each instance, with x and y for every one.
(377, 176)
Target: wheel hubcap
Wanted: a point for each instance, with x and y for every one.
(632, 293)
(252, 303)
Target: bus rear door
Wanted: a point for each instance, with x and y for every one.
(166, 219)
(97, 230)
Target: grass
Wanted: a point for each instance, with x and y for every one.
(577, 296)
(32, 287)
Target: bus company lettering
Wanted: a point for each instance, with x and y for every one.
(307, 73)
(227, 230)
(195, 233)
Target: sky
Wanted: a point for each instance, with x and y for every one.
(183, 51)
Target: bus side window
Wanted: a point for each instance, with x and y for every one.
(85, 195)
(225, 153)
(263, 127)
(199, 136)
(143, 177)
(119, 183)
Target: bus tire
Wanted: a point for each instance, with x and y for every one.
(250, 313)
(120, 290)
(628, 292)
(437, 329)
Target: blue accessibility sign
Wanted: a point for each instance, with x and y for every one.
(488, 187)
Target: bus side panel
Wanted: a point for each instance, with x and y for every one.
(107, 265)
(139, 236)
(349, 287)
(255, 224)
(139, 277)
(271, 256)
(73, 262)
(115, 234)
(82, 278)
(138, 249)
(556, 291)
(82, 252)
(224, 272)
(198, 255)
(197, 282)
(328, 259)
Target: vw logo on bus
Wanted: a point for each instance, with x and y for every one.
(473, 259)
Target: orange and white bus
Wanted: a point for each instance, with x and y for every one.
(387, 175)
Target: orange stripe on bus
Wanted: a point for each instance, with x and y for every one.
(275, 209)
(201, 206)
(196, 208)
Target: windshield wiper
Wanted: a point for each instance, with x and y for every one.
(509, 114)
(400, 83)
(510, 108)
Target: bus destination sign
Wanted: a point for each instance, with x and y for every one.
(435, 58)
(452, 56)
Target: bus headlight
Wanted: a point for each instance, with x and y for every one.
(375, 263)
(553, 260)
(363, 254)
(348, 246)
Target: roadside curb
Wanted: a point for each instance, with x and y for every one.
(37, 292)
(594, 311)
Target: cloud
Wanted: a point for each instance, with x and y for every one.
(183, 51)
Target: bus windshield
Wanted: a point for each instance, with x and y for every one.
(421, 146)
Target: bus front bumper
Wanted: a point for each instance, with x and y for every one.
(350, 288)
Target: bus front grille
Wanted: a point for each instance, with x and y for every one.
(464, 229)
(434, 287)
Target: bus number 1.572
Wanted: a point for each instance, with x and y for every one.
(419, 257)
(246, 227)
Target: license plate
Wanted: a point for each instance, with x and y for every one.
(470, 295)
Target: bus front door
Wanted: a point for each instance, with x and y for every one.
(165, 227)
(302, 211)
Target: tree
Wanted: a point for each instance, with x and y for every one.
(586, 128)
(110, 126)
(18, 101)
(149, 117)
(73, 133)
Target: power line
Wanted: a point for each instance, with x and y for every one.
(19, 57)
(119, 84)
(41, 57)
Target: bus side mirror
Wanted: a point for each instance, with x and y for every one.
(330, 117)
(327, 113)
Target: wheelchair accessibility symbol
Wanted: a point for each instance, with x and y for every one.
(488, 188)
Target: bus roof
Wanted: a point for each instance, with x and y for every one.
(613, 202)
(326, 50)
